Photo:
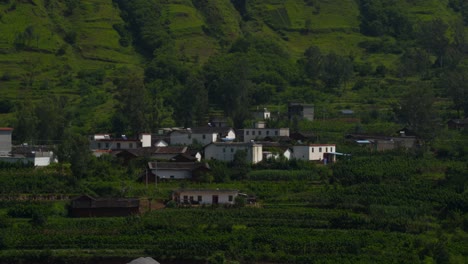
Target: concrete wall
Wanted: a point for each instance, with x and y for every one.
(5, 142)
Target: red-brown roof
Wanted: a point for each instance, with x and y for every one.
(6, 129)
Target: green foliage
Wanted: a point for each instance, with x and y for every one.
(416, 111)
(288, 175)
(380, 17)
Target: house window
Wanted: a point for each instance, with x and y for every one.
(276, 133)
(118, 145)
(253, 133)
(199, 198)
(204, 136)
(326, 149)
(99, 145)
(185, 198)
(232, 150)
(312, 150)
(224, 149)
(259, 133)
(130, 145)
(189, 136)
(320, 149)
(107, 145)
(191, 199)
(247, 132)
(172, 177)
(268, 132)
(230, 198)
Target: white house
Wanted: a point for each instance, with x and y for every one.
(263, 114)
(201, 135)
(176, 170)
(225, 151)
(204, 196)
(315, 152)
(5, 140)
(106, 142)
(249, 134)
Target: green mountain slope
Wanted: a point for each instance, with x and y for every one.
(60, 47)
(44, 44)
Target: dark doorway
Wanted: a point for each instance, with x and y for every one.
(215, 199)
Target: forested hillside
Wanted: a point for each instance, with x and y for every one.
(133, 66)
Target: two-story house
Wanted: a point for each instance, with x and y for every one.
(226, 151)
(201, 135)
(315, 152)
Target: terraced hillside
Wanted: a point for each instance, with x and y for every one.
(45, 44)
(49, 47)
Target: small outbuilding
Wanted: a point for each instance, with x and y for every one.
(87, 206)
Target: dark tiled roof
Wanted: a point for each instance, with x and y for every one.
(170, 150)
(29, 151)
(460, 121)
(184, 157)
(138, 152)
(86, 201)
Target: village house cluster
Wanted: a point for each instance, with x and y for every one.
(182, 153)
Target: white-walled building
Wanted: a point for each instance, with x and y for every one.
(106, 142)
(176, 170)
(225, 151)
(204, 196)
(315, 152)
(249, 134)
(201, 135)
(5, 140)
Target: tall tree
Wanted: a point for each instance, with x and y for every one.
(192, 106)
(416, 111)
(74, 148)
(456, 84)
(25, 127)
(432, 36)
(50, 119)
(131, 108)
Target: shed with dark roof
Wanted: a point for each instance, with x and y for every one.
(87, 206)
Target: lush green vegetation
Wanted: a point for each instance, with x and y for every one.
(398, 206)
(75, 67)
(205, 57)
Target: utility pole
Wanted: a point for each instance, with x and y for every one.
(146, 177)
(155, 176)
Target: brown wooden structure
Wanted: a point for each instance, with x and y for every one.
(87, 206)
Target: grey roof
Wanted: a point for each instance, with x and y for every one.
(143, 260)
